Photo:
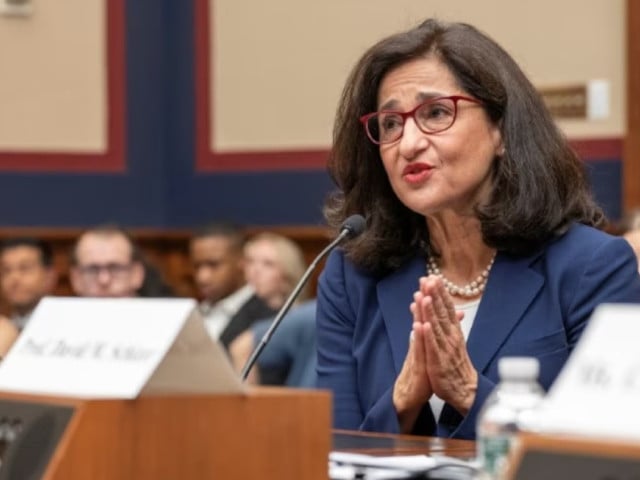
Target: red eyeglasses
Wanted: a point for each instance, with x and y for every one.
(433, 116)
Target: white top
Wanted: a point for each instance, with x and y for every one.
(470, 309)
(518, 368)
(217, 316)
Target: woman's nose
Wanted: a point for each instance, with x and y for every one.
(413, 140)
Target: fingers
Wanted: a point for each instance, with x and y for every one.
(442, 309)
(448, 366)
(416, 355)
(446, 300)
(433, 322)
(412, 389)
(433, 348)
(415, 311)
(416, 347)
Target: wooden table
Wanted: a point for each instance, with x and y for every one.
(390, 444)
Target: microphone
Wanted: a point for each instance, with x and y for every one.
(351, 228)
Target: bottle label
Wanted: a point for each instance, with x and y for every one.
(494, 452)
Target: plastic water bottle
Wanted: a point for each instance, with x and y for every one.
(507, 411)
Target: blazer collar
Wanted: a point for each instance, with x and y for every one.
(395, 294)
(511, 287)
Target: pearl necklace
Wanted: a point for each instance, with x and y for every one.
(471, 289)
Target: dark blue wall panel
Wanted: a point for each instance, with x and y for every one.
(606, 183)
(259, 198)
(136, 197)
(160, 187)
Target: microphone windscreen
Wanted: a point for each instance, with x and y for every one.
(355, 225)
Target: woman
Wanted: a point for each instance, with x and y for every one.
(481, 238)
(273, 266)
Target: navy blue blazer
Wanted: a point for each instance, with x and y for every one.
(536, 305)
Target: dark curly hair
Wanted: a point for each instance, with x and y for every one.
(540, 186)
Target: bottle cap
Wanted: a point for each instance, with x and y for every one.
(518, 368)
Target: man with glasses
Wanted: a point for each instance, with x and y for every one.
(105, 263)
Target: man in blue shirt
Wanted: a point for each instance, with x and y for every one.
(292, 347)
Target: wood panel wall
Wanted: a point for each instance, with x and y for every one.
(631, 156)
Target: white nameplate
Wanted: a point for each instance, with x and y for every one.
(116, 348)
(598, 391)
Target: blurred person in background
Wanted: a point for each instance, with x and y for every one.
(26, 275)
(229, 305)
(105, 263)
(274, 264)
(290, 356)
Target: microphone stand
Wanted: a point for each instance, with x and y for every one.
(345, 232)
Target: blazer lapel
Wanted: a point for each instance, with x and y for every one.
(395, 294)
(511, 287)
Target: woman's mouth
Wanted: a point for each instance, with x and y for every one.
(416, 173)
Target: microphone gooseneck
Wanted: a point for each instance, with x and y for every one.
(350, 228)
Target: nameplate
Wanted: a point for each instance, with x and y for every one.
(598, 391)
(116, 348)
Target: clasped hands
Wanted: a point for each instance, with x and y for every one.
(437, 361)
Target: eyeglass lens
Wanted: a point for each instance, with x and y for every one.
(431, 117)
(113, 269)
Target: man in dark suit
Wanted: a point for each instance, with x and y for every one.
(229, 306)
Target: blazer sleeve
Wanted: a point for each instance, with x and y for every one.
(339, 315)
(609, 275)
(336, 368)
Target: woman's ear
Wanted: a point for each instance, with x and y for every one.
(500, 148)
(496, 133)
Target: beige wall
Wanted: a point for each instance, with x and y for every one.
(279, 65)
(52, 80)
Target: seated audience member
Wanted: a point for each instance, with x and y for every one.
(632, 234)
(292, 348)
(105, 263)
(273, 266)
(229, 305)
(26, 275)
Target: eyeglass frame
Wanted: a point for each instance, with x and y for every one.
(114, 270)
(364, 119)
